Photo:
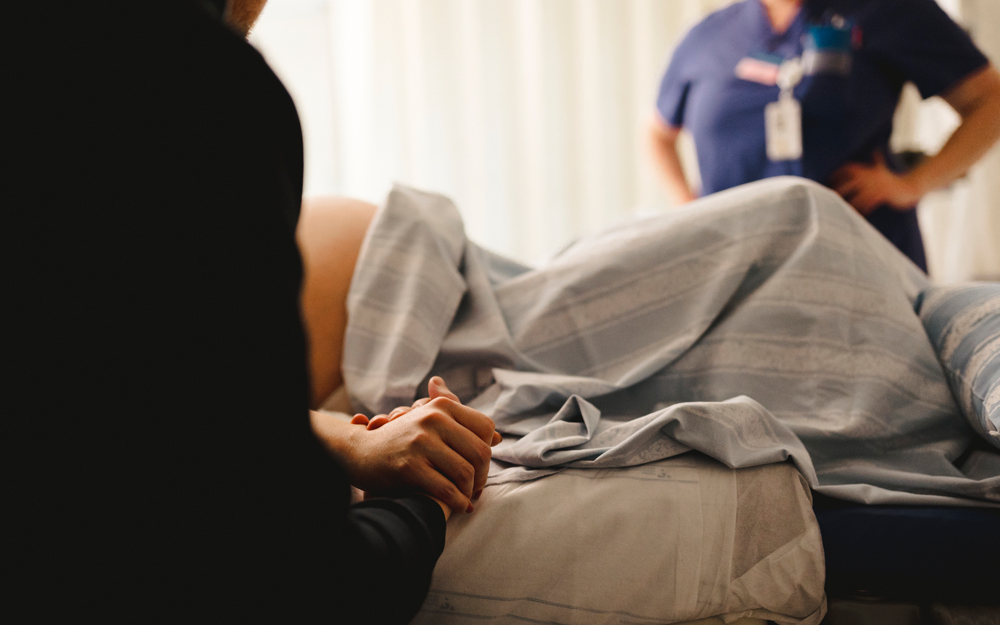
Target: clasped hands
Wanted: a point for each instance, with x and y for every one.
(437, 445)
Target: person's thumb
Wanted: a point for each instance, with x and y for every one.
(437, 388)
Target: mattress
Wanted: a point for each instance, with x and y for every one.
(672, 541)
(682, 540)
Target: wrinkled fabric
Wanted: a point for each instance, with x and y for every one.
(765, 323)
(671, 541)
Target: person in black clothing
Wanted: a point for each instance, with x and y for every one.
(164, 466)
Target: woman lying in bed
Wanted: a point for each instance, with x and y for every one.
(769, 323)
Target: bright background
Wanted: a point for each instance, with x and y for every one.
(531, 114)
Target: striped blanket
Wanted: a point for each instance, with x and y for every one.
(758, 325)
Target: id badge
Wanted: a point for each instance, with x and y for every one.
(826, 48)
(783, 129)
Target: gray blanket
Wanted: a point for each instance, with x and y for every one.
(766, 323)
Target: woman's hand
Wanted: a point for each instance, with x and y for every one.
(440, 447)
(866, 187)
(435, 388)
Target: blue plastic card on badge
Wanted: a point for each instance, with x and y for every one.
(827, 48)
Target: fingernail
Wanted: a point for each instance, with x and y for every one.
(436, 381)
(469, 509)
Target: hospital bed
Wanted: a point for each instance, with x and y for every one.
(608, 367)
(688, 540)
(679, 540)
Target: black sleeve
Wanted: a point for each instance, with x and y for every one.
(921, 43)
(166, 468)
(399, 542)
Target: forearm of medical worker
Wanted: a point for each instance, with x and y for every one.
(663, 145)
(977, 101)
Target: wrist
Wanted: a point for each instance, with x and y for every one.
(339, 437)
(681, 194)
(913, 186)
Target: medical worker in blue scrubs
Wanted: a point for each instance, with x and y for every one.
(809, 87)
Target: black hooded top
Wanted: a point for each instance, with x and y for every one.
(164, 466)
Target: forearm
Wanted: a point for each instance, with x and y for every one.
(977, 100)
(970, 141)
(336, 435)
(663, 145)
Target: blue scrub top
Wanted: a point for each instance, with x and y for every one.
(845, 117)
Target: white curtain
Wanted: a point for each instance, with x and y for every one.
(961, 224)
(530, 114)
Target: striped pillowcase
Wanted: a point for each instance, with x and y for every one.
(963, 323)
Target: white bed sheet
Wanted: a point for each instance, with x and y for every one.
(667, 542)
(682, 540)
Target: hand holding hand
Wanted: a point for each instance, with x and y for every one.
(437, 445)
(866, 187)
(435, 388)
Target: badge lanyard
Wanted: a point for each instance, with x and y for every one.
(783, 119)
